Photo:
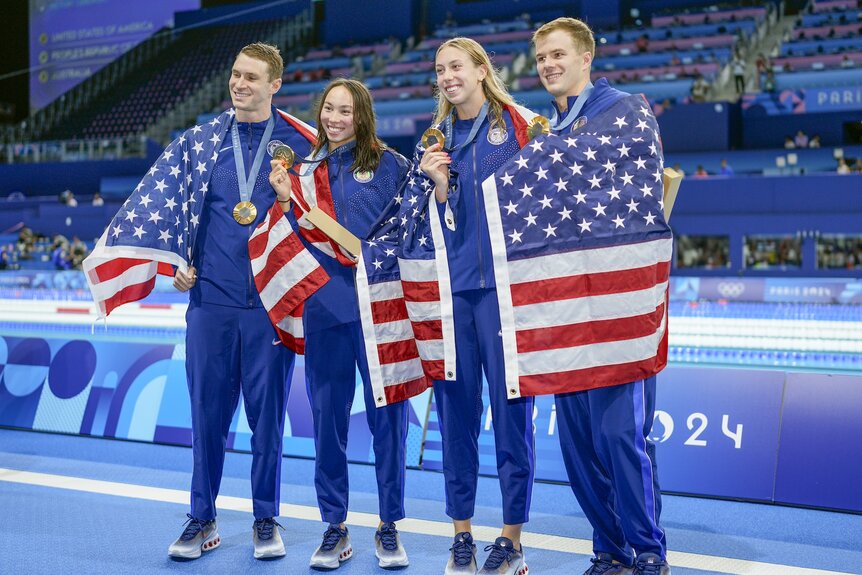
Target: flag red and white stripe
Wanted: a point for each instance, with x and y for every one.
(395, 365)
(581, 255)
(285, 274)
(586, 319)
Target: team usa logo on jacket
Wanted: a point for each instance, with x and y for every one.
(579, 123)
(272, 145)
(363, 176)
(497, 136)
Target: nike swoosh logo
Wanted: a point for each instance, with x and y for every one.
(276, 341)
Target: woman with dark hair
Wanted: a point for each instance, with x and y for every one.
(364, 177)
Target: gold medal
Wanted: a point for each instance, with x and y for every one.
(538, 126)
(244, 213)
(285, 155)
(433, 136)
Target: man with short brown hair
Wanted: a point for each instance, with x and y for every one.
(604, 425)
(231, 344)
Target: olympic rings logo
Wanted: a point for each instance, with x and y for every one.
(731, 289)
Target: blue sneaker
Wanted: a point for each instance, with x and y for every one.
(651, 564)
(504, 559)
(604, 564)
(334, 549)
(462, 561)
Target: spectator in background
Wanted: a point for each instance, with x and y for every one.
(97, 200)
(843, 168)
(699, 89)
(64, 196)
(725, 169)
(814, 142)
(762, 64)
(26, 243)
(4, 258)
(857, 167)
(660, 108)
(769, 83)
(801, 139)
(847, 62)
(77, 252)
(700, 172)
(70, 200)
(642, 43)
(738, 67)
(60, 253)
(789, 144)
(678, 169)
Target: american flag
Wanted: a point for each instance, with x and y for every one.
(404, 286)
(582, 255)
(155, 228)
(391, 346)
(285, 274)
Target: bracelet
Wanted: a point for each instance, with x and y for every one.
(283, 201)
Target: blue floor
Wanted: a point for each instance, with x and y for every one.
(55, 530)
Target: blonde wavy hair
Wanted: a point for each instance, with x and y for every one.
(492, 86)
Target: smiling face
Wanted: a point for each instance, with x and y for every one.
(251, 89)
(459, 79)
(563, 69)
(336, 117)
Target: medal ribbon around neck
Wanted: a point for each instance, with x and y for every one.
(477, 123)
(244, 212)
(572, 114)
(310, 164)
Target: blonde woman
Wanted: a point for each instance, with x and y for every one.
(483, 128)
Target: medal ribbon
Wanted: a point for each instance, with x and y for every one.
(573, 111)
(477, 123)
(310, 164)
(246, 184)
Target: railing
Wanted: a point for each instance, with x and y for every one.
(73, 150)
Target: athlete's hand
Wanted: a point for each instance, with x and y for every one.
(435, 163)
(280, 180)
(183, 281)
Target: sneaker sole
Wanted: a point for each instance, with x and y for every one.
(345, 555)
(394, 564)
(207, 545)
(269, 554)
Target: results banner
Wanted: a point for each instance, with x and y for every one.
(70, 40)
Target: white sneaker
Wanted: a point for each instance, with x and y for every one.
(462, 559)
(504, 559)
(197, 537)
(389, 551)
(267, 539)
(334, 549)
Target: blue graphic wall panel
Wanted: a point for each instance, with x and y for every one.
(820, 461)
(138, 391)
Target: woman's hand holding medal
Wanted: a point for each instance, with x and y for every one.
(279, 179)
(435, 163)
